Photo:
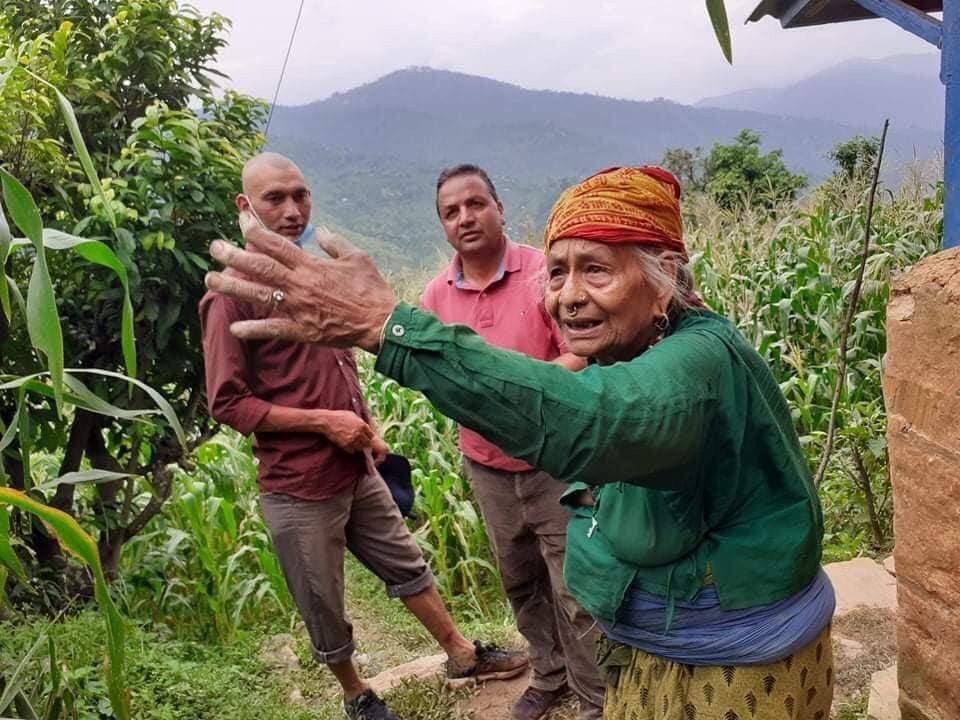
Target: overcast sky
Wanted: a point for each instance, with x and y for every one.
(637, 49)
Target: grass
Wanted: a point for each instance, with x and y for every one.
(182, 679)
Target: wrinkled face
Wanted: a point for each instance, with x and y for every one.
(471, 218)
(280, 197)
(599, 297)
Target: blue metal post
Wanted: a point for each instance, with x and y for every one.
(950, 74)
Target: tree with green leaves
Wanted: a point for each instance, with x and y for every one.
(687, 165)
(855, 157)
(739, 173)
(169, 152)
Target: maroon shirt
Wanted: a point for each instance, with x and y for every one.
(245, 378)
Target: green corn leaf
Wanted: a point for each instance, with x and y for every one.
(165, 407)
(721, 27)
(75, 540)
(7, 556)
(101, 254)
(43, 323)
(79, 146)
(24, 434)
(23, 211)
(11, 432)
(5, 240)
(15, 294)
(80, 395)
(76, 394)
(86, 476)
(43, 319)
(56, 675)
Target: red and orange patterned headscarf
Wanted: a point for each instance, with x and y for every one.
(620, 205)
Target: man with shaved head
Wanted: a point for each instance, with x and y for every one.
(317, 452)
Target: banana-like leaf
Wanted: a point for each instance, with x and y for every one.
(86, 476)
(43, 319)
(721, 27)
(75, 540)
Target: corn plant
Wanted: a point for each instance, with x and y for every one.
(206, 566)
(449, 528)
(785, 277)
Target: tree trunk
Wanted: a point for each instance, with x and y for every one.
(45, 546)
(108, 506)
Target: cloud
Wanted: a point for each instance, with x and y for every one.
(623, 48)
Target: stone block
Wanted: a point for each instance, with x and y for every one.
(884, 696)
(922, 366)
(419, 669)
(277, 653)
(862, 582)
(922, 394)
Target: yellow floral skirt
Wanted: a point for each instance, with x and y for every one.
(641, 686)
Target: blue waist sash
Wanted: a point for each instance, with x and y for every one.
(701, 633)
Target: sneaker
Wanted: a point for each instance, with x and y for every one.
(492, 663)
(536, 704)
(367, 706)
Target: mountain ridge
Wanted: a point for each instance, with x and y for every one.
(856, 92)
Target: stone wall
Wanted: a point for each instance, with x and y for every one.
(922, 390)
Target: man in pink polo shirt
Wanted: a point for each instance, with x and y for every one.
(496, 287)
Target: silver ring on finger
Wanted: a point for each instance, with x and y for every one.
(277, 296)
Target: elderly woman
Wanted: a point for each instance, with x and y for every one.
(696, 530)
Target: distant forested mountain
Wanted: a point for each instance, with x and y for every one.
(905, 88)
(373, 153)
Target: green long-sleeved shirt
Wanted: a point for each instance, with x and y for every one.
(690, 448)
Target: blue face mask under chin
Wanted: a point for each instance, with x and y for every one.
(307, 235)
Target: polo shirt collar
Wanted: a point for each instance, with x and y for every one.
(511, 261)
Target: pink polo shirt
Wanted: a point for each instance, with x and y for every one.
(508, 313)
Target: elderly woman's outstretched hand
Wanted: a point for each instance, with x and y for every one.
(342, 301)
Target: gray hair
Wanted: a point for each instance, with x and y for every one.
(668, 274)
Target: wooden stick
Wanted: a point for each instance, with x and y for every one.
(851, 311)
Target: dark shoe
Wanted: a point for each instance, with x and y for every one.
(536, 704)
(492, 663)
(367, 706)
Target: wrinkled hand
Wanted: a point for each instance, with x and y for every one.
(348, 431)
(379, 448)
(342, 301)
